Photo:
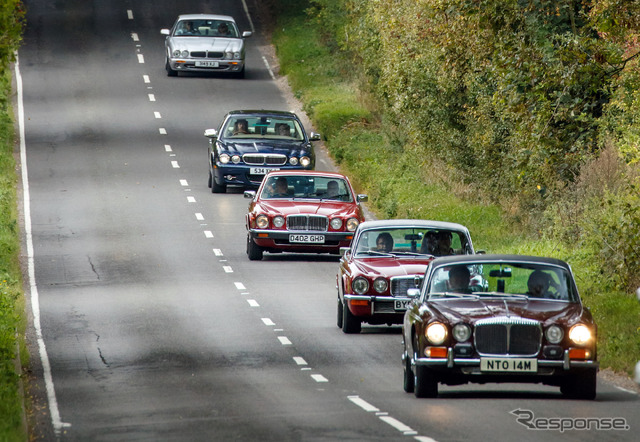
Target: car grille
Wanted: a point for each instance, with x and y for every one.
(259, 159)
(400, 284)
(383, 307)
(317, 223)
(204, 54)
(508, 336)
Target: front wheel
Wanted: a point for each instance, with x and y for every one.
(425, 383)
(170, 72)
(408, 383)
(350, 324)
(340, 313)
(217, 188)
(254, 251)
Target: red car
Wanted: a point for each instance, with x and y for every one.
(302, 211)
(387, 258)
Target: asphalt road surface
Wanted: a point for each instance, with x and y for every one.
(149, 321)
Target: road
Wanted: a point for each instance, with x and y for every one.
(154, 324)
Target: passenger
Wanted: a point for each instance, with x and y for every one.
(281, 188)
(444, 243)
(384, 242)
(223, 29)
(284, 130)
(429, 244)
(538, 285)
(187, 28)
(332, 189)
(459, 277)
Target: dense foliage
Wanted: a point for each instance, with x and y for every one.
(11, 428)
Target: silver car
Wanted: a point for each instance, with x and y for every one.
(205, 43)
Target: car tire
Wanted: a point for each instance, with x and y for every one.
(217, 188)
(581, 385)
(425, 383)
(210, 180)
(340, 313)
(409, 381)
(170, 72)
(350, 324)
(240, 74)
(254, 251)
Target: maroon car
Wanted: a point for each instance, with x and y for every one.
(526, 323)
(302, 211)
(387, 258)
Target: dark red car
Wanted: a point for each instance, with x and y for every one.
(302, 211)
(385, 259)
(524, 322)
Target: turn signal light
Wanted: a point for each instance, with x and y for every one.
(579, 353)
(363, 302)
(263, 235)
(435, 352)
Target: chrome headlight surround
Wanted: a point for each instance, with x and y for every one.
(262, 221)
(554, 334)
(305, 161)
(461, 332)
(436, 333)
(580, 334)
(336, 223)
(177, 53)
(237, 55)
(360, 285)
(224, 158)
(293, 161)
(380, 285)
(278, 221)
(352, 224)
(236, 159)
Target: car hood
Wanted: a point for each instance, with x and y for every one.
(393, 266)
(214, 44)
(261, 146)
(471, 310)
(315, 207)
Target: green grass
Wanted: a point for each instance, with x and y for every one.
(401, 185)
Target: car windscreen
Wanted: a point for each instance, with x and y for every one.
(416, 240)
(280, 128)
(205, 28)
(306, 187)
(520, 280)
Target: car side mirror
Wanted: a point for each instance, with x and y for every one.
(413, 293)
(250, 194)
(314, 136)
(165, 32)
(246, 34)
(211, 133)
(361, 198)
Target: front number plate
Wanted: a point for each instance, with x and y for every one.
(261, 170)
(207, 64)
(400, 305)
(314, 239)
(517, 365)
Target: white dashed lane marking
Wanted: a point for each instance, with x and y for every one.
(157, 115)
(284, 340)
(175, 165)
(253, 303)
(208, 234)
(152, 97)
(299, 361)
(140, 58)
(199, 217)
(130, 14)
(217, 252)
(319, 378)
(162, 131)
(240, 286)
(227, 269)
(268, 321)
(146, 79)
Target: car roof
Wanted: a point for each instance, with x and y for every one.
(205, 17)
(307, 173)
(422, 223)
(263, 112)
(482, 258)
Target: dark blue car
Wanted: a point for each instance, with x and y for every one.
(251, 143)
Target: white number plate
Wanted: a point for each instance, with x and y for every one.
(261, 170)
(315, 239)
(207, 64)
(400, 305)
(519, 365)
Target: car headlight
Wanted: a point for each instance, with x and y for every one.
(224, 158)
(360, 285)
(237, 55)
(180, 54)
(293, 161)
(436, 333)
(228, 55)
(352, 224)
(336, 223)
(278, 221)
(236, 159)
(554, 334)
(262, 221)
(580, 334)
(380, 285)
(305, 161)
(461, 332)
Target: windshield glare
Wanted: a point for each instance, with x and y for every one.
(537, 281)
